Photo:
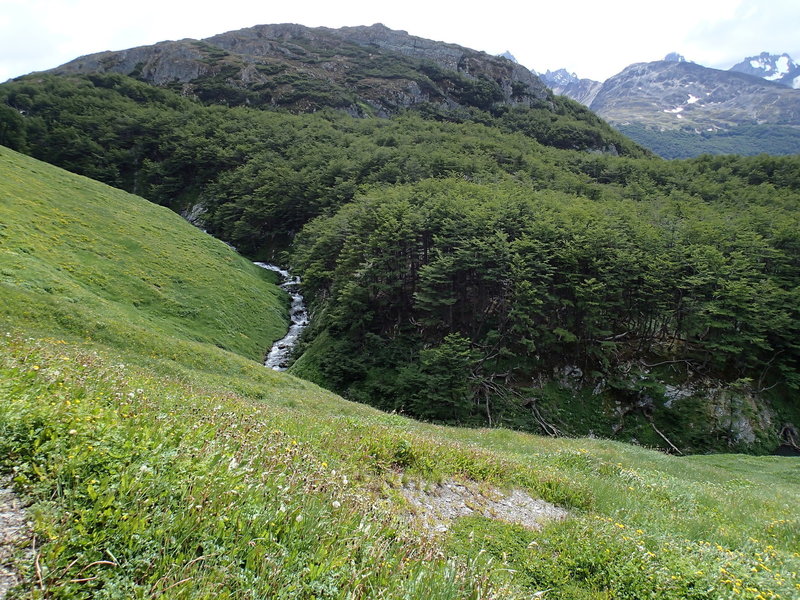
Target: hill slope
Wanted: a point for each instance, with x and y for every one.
(365, 71)
(93, 262)
(178, 475)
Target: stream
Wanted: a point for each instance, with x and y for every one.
(278, 357)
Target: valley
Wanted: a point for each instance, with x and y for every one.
(157, 464)
(458, 269)
(532, 358)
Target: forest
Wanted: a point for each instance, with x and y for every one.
(522, 267)
(748, 140)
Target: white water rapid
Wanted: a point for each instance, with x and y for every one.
(278, 357)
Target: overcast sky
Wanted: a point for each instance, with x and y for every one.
(595, 39)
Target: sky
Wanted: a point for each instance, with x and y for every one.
(595, 39)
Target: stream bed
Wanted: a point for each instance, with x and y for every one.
(278, 356)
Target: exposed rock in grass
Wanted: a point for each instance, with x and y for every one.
(13, 530)
(435, 506)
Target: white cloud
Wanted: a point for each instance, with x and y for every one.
(755, 26)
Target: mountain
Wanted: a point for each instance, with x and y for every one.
(779, 68)
(678, 108)
(684, 95)
(568, 84)
(365, 70)
(675, 57)
(509, 56)
(460, 271)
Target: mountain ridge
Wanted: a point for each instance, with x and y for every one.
(303, 68)
(364, 71)
(780, 68)
(659, 103)
(569, 84)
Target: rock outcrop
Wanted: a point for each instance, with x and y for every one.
(14, 529)
(365, 70)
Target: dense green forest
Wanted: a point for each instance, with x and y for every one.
(479, 266)
(747, 140)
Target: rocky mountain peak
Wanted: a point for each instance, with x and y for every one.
(569, 84)
(509, 56)
(780, 68)
(559, 77)
(675, 57)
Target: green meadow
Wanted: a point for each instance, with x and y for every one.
(161, 460)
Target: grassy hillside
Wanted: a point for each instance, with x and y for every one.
(92, 262)
(161, 464)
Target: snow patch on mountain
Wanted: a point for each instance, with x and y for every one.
(772, 67)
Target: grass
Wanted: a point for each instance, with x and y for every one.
(161, 460)
(96, 263)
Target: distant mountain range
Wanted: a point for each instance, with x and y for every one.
(569, 84)
(678, 108)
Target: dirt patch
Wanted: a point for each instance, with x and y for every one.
(14, 530)
(435, 506)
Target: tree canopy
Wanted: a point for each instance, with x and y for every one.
(456, 259)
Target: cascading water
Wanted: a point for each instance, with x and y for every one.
(278, 357)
